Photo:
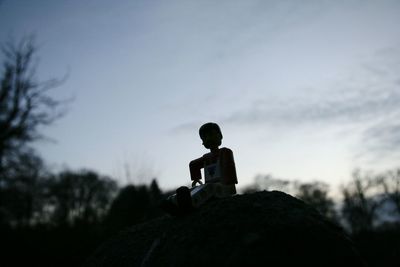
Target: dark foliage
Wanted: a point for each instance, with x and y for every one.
(134, 204)
(80, 197)
(316, 195)
(72, 222)
(22, 194)
(359, 208)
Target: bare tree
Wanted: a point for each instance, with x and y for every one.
(268, 182)
(359, 204)
(82, 196)
(316, 195)
(135, 204)
(25, 103)
(23, 196)
(389, 183)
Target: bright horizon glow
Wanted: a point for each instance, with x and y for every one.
(306, 91)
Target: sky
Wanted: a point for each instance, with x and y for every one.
(305, 90)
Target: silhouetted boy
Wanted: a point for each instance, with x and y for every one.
(219, 174)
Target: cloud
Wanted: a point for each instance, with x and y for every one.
(356, 108)
(383, 138)
(369, 100)
(185, 127)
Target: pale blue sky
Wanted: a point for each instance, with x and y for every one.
(302, 89)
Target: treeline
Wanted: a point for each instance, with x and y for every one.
(71, 198)
(59, 219)
(367, 208)
(368, 201)
(31, 195)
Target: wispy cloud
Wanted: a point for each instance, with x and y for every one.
(185, 127)
(370, 100)
(383, 138)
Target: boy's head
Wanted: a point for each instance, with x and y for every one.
(211, 135)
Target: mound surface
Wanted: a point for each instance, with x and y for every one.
(259, 229)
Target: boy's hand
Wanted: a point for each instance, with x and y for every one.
(195, 182)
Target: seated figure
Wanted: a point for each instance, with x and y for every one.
(219, 174)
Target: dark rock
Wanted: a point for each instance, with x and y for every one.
(259, 229)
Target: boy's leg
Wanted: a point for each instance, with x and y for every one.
(202, 193)
(179, 203)
(184, 199)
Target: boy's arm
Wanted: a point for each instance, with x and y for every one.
(195, 169)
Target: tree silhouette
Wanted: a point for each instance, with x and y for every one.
(389, 184)
(82, 196)
(24, 193)
(25, 104)
(359, 205)
(134, 204)
(268, 182)
(316, 195)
